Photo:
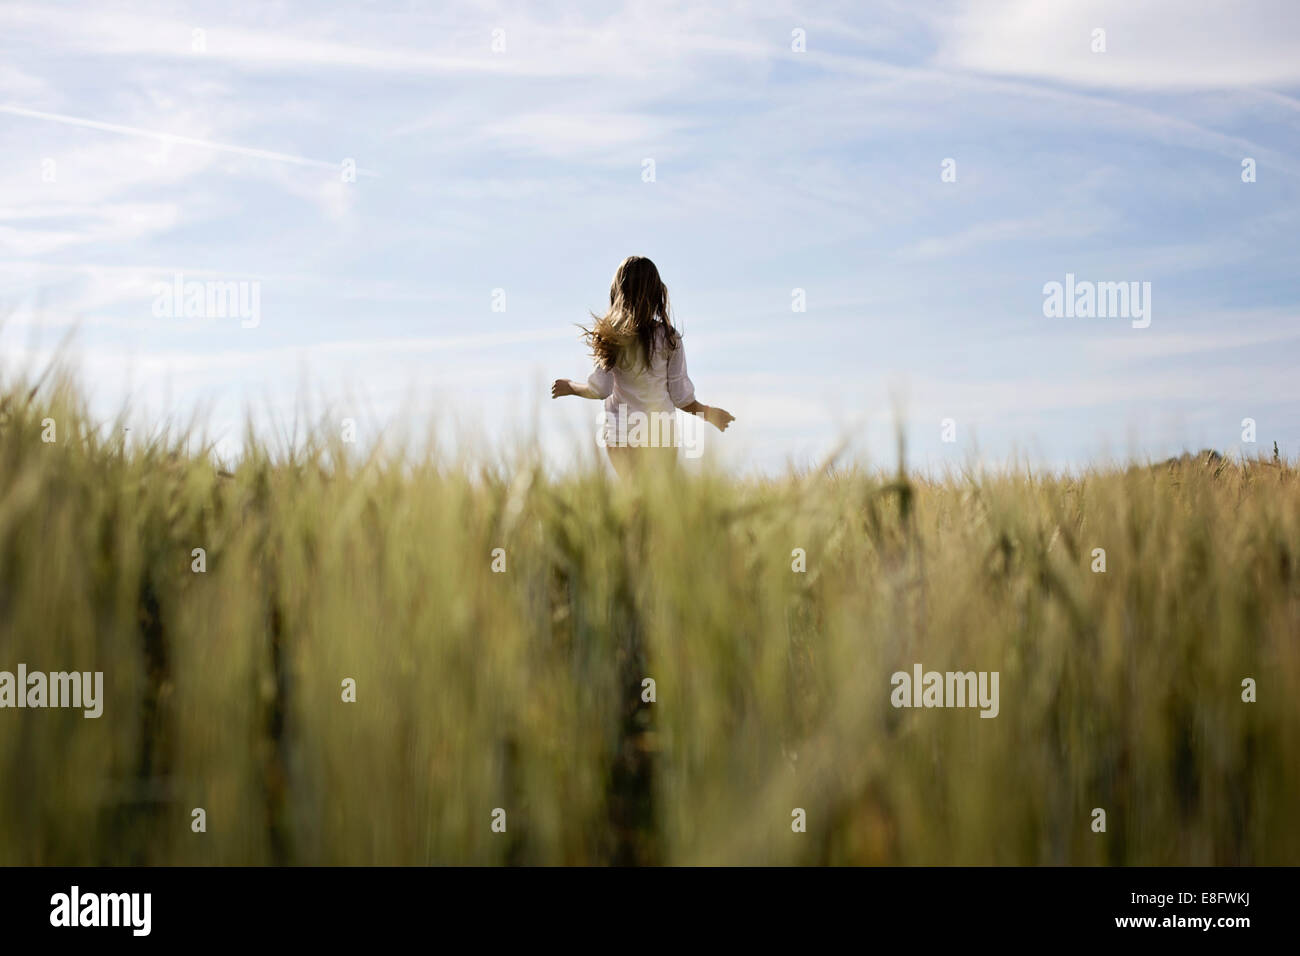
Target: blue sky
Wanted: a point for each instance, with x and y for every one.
(134, 149)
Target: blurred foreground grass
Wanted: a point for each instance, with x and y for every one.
(521, 690)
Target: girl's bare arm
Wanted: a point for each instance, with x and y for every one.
(565, 386)
(719, 418)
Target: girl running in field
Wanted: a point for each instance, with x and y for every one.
(640, 371)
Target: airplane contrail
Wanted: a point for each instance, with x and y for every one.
(173, 138)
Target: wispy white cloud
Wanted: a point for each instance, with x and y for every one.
(177, 140)
(1157, 44)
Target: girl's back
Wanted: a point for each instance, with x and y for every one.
(659, 385)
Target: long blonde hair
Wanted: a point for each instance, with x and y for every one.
(638, 308)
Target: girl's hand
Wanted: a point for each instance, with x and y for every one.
(719, 418)
(561, 388)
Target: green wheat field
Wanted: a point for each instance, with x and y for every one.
(522, 690)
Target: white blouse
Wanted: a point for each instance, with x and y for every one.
(641, 402)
